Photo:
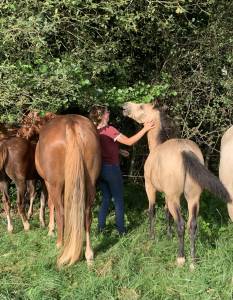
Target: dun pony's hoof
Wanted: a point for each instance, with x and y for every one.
(192, 267)
(26, 226)
(180, 261)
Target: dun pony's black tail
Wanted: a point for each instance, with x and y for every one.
(203, 176)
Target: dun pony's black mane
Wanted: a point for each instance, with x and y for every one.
(168, 128)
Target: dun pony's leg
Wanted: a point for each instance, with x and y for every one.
(151, 194)
(32, 194)
(193, 207)
(6, 203)
(168, 221)
(21, 190)
(174, 209)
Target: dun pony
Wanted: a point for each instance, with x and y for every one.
(226, 166)
(175, 167)
(68, 159)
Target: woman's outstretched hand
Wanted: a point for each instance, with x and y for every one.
(149, 125)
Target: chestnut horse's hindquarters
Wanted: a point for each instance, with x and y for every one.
(203, 176)
(74, 198)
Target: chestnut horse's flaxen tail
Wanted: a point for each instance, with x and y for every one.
(3, 156)
(74, 198)
(203, 176)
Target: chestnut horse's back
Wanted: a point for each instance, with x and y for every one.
(68, 159)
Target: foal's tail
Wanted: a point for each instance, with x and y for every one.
(74, 198)
(3, 155)
(203, 176)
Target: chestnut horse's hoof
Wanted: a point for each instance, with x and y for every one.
(10, 228)
(59, 245)
(42, 224)
(29, 214)
(51, 233)
(26, 226)
(151, 234)
(180, 261)
(90, 263)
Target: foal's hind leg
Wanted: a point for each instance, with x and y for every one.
(43, 197)
(173, 203)
(6, 203)
(31, 186)
(21, 191)
(151, 194)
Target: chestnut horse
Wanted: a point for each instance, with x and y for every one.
(68, 159)
(175, 167)
(226, 165)
(17, 162)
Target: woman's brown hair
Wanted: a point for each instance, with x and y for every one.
(96, 113)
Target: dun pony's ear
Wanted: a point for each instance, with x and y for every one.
(155, 103)
(164, 108)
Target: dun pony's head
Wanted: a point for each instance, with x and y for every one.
(141, 112)
(144, 112)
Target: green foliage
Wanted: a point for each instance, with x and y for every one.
(60, 54)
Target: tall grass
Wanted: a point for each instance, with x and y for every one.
(128, 267)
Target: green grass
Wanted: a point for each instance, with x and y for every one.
(130, 267)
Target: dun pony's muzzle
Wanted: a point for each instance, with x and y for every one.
(126, 109)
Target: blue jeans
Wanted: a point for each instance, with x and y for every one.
(111, 186)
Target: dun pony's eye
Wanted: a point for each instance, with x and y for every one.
(141, 106)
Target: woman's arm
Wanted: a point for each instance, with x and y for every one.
(129, 141)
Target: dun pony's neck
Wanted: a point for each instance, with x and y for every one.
(153, 137)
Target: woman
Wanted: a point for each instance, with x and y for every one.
(111, 181)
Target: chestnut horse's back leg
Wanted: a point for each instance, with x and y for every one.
(151, 194)
(21, 191)
(88, 220)
(173, 203)
(31, 186)
(55, 201)
(6, 202)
